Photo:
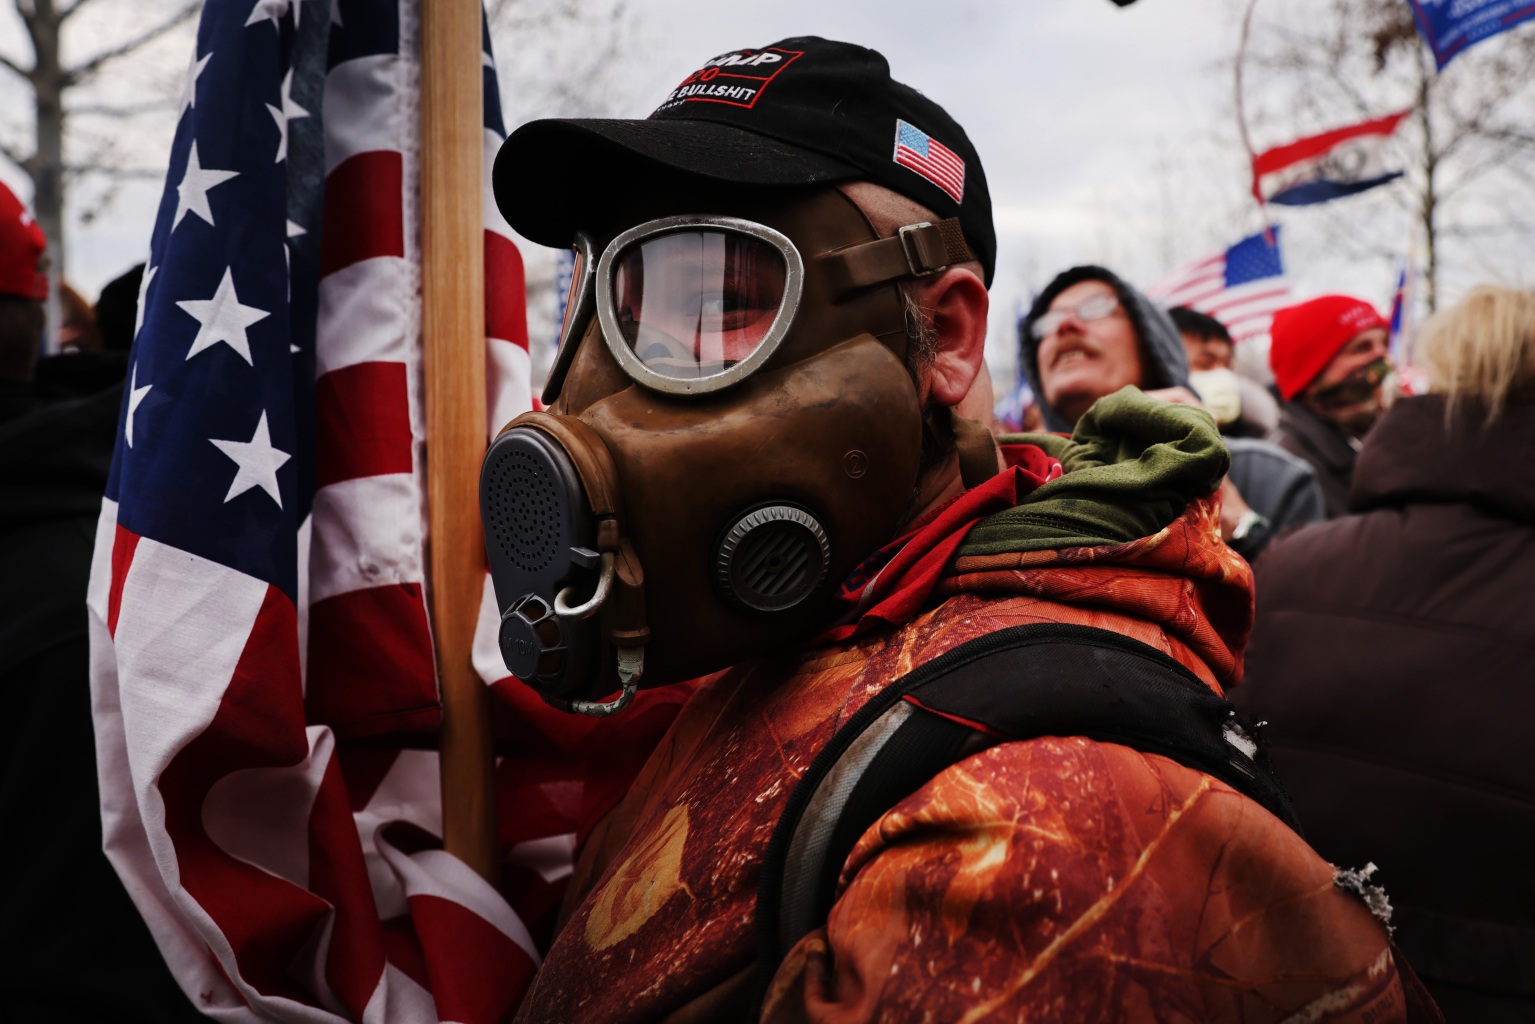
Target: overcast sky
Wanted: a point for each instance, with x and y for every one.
(1107, 134)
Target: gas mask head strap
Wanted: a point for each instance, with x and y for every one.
(916, 250)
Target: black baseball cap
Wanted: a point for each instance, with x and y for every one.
(800, 111)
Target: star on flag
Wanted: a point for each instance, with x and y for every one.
(223, 319)
(136, 396)
(192, 193)
(265, 10)
(258, 460)
(194, 71)
(149, 275)
(290, 111)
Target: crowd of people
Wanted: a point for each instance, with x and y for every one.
(1390, 617)
(1037, 801)
(954, 881)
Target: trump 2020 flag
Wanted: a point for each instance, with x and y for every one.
(1322, 167)
(1450, 26)
(1242, 285)
(262, 662)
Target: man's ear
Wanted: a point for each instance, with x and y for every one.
(957, 302)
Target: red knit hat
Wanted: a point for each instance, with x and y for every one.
(1304, 338)
(21, 247)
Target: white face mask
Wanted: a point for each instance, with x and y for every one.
(1220, 392)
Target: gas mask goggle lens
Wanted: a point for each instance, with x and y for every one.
(687, 305)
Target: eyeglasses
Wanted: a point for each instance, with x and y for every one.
(1095, 308)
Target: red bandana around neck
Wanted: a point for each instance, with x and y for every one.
(893, 584)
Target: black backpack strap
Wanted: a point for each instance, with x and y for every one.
(1016, 684)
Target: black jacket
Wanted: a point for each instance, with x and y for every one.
(79, 950)
(1276, 486)
(1326, 448)
(1392, 657)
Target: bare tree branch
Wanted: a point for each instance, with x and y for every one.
(69, 11)
(123, 110)
(14, 68)
(1515, 138)
(133, 173)
(14, 156)
(1312, 66)
(1519, 171)
(38, 18)
(1512, 226)
(1496, 159)
(83, 71)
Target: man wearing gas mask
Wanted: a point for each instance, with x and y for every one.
(1330, 358)
(917, 778)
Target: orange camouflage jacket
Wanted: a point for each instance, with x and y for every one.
(1056, 879)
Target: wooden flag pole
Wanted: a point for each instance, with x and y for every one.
(453, 336)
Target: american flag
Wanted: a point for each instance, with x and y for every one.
(930, 158)
(1242, 286)
(262, 666)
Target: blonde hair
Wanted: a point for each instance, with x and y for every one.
(1482, 350)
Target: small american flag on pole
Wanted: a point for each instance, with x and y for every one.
(930, 158)
(1242, 285)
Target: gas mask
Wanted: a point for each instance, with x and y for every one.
(731, 429)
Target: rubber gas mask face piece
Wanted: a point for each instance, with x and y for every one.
(733, 429)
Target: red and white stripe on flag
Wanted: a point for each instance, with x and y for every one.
(930, 158)
(1193, 282)
(1245, 308)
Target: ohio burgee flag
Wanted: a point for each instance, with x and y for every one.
(1333, 164)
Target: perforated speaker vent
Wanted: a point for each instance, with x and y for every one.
(773, 558)
(525, 510)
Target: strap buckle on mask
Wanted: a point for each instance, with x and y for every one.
(921, 254)
(915, 250)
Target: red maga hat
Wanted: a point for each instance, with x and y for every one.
(1305, 337)
(21, 250)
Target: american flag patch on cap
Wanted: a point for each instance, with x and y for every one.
(930, 158)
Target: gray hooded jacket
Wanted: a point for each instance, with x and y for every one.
(1278, 486)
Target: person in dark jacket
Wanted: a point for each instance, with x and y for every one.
(1391, 657)
(23, 290)
(84, 370)
(79, 952)
(1097, 334)
(1329, 358)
